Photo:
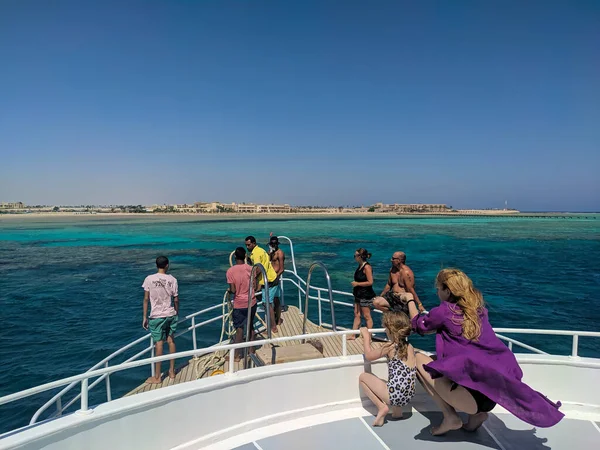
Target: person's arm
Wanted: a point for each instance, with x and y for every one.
(229, 279)
(409, 284)
(412, 309)
(426, 323)
(368, 274)
(145, 313)
(281, 263)
(387, 286)
(372, 353)
(176, 295)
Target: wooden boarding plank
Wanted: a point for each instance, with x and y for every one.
(292, 325)
(287, 328)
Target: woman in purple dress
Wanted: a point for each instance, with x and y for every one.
(474, 370)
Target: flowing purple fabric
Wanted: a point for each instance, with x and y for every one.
(486, 365)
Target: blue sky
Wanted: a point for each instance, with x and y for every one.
(468, 103)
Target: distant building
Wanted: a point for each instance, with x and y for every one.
(185, 208)
(410, 208)
(12, 205)
(244, 208)
(282, 209)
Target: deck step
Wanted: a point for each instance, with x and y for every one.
(291, 353)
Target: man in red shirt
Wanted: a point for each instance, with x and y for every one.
(238, 278)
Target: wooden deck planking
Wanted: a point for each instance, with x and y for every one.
(292, 325)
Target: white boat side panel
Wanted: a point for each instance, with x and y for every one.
(561, 382)
(198, 413)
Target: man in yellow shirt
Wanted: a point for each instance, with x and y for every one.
(259, 256)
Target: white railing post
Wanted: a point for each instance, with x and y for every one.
(59, 406)
(194, 336)
(84, 398)
(108, 392)
(320, 318)
(344, 345)
(232, 361)
(575, 345)
(299, 298)
(510, 346)
(152, 370)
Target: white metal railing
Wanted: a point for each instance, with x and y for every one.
(296, 280)
(85, 377)
(57, 398)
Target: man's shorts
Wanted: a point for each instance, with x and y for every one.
(162, 327)
(398, 301)
(274, 291)
(240, 317)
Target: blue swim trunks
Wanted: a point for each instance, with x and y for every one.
(274, 291)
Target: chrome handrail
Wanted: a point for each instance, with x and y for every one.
(331, 304)
(265, 300)
(291, 251)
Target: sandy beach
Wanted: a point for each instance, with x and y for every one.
(184, 217)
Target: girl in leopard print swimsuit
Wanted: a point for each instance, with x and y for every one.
(400, 387)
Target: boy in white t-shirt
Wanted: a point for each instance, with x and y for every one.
(159, 288)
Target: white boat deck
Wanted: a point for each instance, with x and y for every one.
(352, 429)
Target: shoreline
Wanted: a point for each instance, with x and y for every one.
(280, 216)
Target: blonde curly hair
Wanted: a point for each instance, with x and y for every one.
(466, 297)
(398, 327)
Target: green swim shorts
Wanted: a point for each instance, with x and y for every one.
(162, 327)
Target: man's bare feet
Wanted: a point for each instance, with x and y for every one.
(380, 419)
(475, 421)
(448, 424)
(172, 374)
(154, 380)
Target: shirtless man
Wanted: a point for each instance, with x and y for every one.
(278, 262)
(399, 289)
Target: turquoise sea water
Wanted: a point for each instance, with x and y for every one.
(70, 287)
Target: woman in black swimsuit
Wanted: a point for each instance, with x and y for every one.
(362, 288)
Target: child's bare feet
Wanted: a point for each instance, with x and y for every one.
(351, 337)
(172, 374)
(380, 419)
(475, 421)
(154, 380)
(450, 423)
(397, 413)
